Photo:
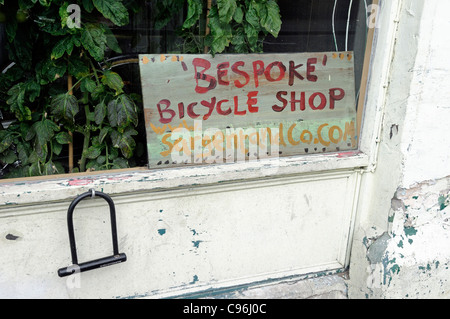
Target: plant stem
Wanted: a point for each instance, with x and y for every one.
(87, 131)
(207, 30)
(107, 157)
(51, 151)
(95, 71)
(70, 88)
(87, 138)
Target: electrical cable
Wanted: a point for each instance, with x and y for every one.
(332, 22)
(348, 24)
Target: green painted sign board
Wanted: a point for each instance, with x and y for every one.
(201, 109)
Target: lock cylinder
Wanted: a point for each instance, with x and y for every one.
(93, 264)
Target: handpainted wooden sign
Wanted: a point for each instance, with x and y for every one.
(199, 109)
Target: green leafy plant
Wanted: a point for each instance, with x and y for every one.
(47, 50)
(235, 26)
(60, 87)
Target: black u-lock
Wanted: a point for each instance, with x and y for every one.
(97, 263)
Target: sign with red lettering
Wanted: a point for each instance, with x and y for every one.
(202, 110)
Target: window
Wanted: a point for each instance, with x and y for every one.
(307, 27)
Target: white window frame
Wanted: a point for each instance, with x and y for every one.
(25, 191)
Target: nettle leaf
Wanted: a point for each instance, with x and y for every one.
(103, 133)
(252, 15)
(252, 36)
(165, 12)
(100, 113)
(41, 150)
(50, 168)
(88, 85)
(91, 117)
(94, 40)
(57, 148)
(113, 80)
(11, 29)
(77, 68)
(98, 92)
(120, 163)
(33, 158)
(16, 96)
(33, 90)
(122, 111)
(270, 18)
(111, 40)
(45, 3)
(25, 4)
(101, 159)
(23, 129)
(113, 10)
(30, 134)
(96, 141)
(64, 138)
(226, 10)
(49, 70)
(60, 48)
(93, 165)
(63, 14)
(8, 157)
(221, 33)
(65, 106)
(34, 169)
(124, 141)
(23, 150)
(113, 153)
(238, 15)
(88, 5)
(45, 130)
(6, 140)
(238, 41)
(16, 101)
(10, 77)
(20, 50)
(63, 46)
(93, 152)
(195, 8)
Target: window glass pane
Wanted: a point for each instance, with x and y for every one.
(322, 26)
(308, 26)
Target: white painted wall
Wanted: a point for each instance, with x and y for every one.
(402, 243)
(424, 142)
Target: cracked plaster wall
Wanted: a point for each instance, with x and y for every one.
(412, 258)
(402, 244)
